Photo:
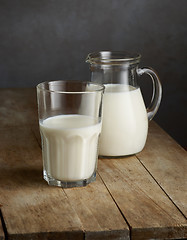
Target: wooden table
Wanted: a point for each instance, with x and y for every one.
(137, 197)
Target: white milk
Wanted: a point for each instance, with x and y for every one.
(70, 146)
(125, 121)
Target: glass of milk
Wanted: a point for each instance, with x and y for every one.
(125, 117)
(70, 125)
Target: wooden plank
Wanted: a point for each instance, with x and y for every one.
(18, 107)
(167, 162)
(147, 209)
(25, 198)
(30, 208)
(98, 213)
(115, 230)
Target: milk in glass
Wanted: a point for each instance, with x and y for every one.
(70, 146)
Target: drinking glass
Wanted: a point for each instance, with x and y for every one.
(70, 114)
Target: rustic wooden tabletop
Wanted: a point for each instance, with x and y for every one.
(138, 197)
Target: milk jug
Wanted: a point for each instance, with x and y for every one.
(125, 117)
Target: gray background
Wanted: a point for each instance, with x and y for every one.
(49, 39)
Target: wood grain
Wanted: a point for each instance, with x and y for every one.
(92, 204)
(148, 210)
(30, 208)
(167, 163)
(18, 107)
(98, 212)
(146, 192)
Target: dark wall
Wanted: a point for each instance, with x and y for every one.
(49, 39)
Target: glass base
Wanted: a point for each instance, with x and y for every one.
(68, 184)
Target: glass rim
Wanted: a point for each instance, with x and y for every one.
(100, 88)
(111, 57)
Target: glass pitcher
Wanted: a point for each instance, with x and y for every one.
(125, 117)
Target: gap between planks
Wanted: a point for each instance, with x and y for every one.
(166, 160)
(121, 211)
(161, 188)
(130, 228)
(39, 143)
(113, 198)
(101, 229)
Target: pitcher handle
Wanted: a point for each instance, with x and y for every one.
(157, 91)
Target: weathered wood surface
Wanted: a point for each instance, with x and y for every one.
(98, 212)
(137, 197)
(29, 206)
(167, 162)
(18, 107)
(148, 210)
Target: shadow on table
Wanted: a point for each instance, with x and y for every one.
(21, 177)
